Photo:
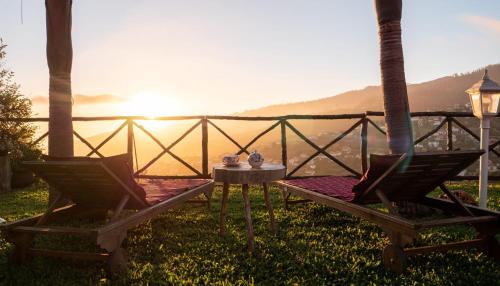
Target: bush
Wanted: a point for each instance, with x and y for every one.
(16, 138)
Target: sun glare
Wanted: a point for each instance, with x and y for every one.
(152, 105)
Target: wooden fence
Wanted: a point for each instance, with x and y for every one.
(362, 121)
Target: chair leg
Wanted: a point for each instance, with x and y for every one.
(286, 195)
(487, 232)
(208, 195)
(113, 244)
(491, 247)
(394, 258)
(117, 261)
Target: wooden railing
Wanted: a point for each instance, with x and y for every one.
(362, 122)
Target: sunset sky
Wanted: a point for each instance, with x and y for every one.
(219, 57)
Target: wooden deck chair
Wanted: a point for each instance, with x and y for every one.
(397, 178)
(94, 188)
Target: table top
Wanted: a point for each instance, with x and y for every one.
(245, 174)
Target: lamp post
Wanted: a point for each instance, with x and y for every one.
(484, 97)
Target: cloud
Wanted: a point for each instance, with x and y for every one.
(83, 99)
(483, 22)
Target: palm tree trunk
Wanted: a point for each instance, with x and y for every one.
(396, 108)
(59, 60)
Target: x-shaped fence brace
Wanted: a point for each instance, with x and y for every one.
(323, 150)
(94, 150)
(244, 149)
(491, 147)
(449, 121)
(364, 122)
(167, 150)
(39, 139)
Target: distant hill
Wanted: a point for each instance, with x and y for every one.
(441, 94)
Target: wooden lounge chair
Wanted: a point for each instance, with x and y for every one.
(94, 188)
(396, 178)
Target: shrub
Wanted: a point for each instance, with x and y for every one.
(16, 138)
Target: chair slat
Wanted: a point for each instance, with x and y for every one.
(85, 183)
(420, 174)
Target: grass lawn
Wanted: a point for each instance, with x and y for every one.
(315, 245)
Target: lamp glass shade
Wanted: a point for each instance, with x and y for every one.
(485, 104)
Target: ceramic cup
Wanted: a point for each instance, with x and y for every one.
(231, 160)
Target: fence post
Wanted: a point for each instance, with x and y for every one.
(204, 145)
(284, 155)
(130, 142)
(364, 144)
(449, 131)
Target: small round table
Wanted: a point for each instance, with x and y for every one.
(244, 175)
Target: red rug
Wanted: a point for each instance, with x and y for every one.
(158, 190)
(337, 187)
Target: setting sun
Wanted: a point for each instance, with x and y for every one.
(152, 105)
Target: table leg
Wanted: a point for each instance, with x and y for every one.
(223, 209)
(248, 217)
(269, 207)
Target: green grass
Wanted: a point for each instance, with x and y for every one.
(315, 245)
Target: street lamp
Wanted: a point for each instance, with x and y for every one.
(484, 97)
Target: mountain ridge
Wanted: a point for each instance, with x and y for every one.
(421, 96)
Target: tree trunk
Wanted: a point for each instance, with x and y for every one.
(59, 60)
(396, 107)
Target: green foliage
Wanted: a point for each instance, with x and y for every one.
(16, 138)
(315, 245)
